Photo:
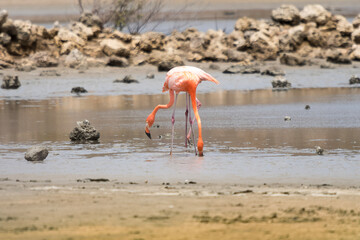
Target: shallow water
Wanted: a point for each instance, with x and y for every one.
(246, 138)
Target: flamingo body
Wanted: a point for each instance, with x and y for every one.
(182, 79)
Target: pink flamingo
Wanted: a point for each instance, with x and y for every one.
(182, 79)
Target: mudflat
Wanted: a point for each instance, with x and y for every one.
(108, 209)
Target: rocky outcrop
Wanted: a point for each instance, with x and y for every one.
(238, 68)
(10, 82)
(292, 36)
(84, 132)
(36, 153)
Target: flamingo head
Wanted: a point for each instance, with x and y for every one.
(200, 146)
(149, 122)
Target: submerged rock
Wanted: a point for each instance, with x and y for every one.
(84, 132)
(354, 80)
(78, 90)
(10, 82)
(287, 118)
(280, 82)
(307, 107)
(126, 79)
(36, 153)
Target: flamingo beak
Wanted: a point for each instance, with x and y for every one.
(147, 131)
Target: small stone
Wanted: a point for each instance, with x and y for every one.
(127, 79)
(307, 107)
(354, 80)
(287, 118)
(36, 153)
(150, 76)
(319, 150)
(10, 82)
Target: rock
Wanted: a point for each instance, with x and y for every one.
(36, 153)
(49, 73)
(319, 150)
(91, 20)
(66, 35)
(5, 39)
(343, 26)
(43, 59)
(263, 47)
(84, 132)
(114, 47)
(286, 14)
(25, 35)
(315, 13)
(81, 30)
(246, 24)
(115, 61)
(292, 59)
(354, 80)
(237, 68)
(236, 56)
(9, 28)
(273, 71)
(327, 66)
(67, 47)
(75, 59)
(355, 53)
(170, 62)
(3, 17)
(5, 56)
(96, 62)
(307, 107)
(336, 56)
(150, 75)
(139, 59)
(25, 65)
(280, 82)
(356, 21)
(151, 40)
(287, 118)
(127, 79)
(10, 82)
(122, 36)
(355, 36)
(78, 90)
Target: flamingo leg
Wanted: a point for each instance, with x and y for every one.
(173, 124)
(191, 129)
(200, 143)
(186, 118)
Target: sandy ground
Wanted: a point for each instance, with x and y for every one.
(112, 210)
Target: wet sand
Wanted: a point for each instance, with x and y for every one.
(260, 177)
